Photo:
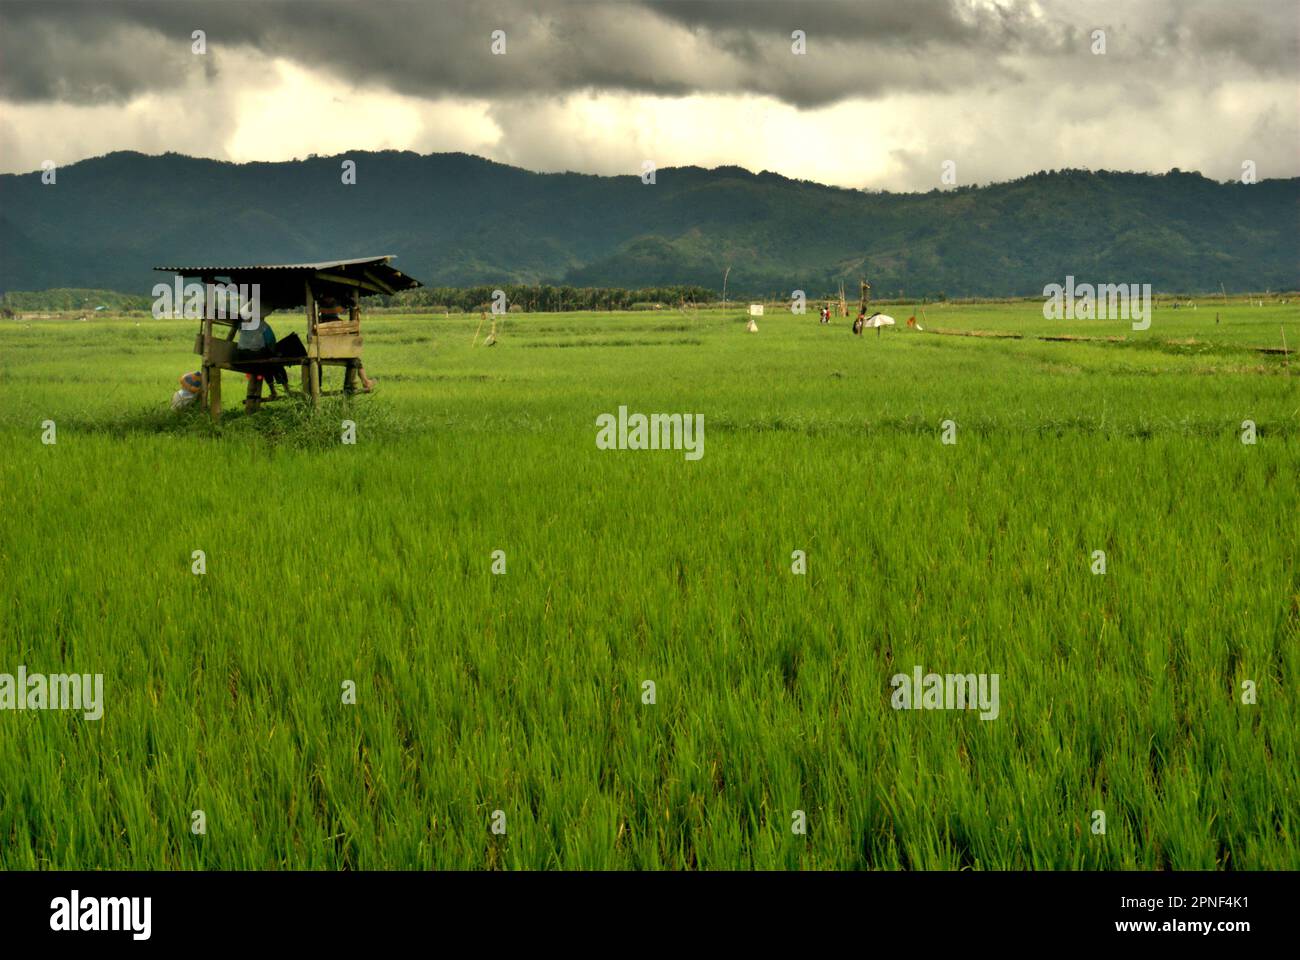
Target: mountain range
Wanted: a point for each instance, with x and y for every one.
(454, 219)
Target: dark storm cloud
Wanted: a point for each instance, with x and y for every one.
(1269, 43)
(95, 52)
(89, 52)
(921, 23)
(84, 52)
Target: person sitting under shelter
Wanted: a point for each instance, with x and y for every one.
(256, 341)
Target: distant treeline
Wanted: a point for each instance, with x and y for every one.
(530, 298)
(544, 298)
(533, 298)
(67, 300)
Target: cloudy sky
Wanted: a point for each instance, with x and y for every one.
(885, 93)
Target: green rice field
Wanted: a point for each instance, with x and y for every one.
(501, 719)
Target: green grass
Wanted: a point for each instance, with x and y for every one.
(523, 693)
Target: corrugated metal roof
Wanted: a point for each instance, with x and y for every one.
(251, 267)
(283, 284)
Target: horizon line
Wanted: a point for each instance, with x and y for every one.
(603, 176)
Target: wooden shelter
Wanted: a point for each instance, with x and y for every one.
(282, 287)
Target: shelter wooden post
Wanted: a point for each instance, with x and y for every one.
(214, 390)
(210, 373)
(253, 395)
(311, 369)
(205, 368)
(350, 370)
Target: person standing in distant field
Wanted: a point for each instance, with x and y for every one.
(329, 310)
(861, 322)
